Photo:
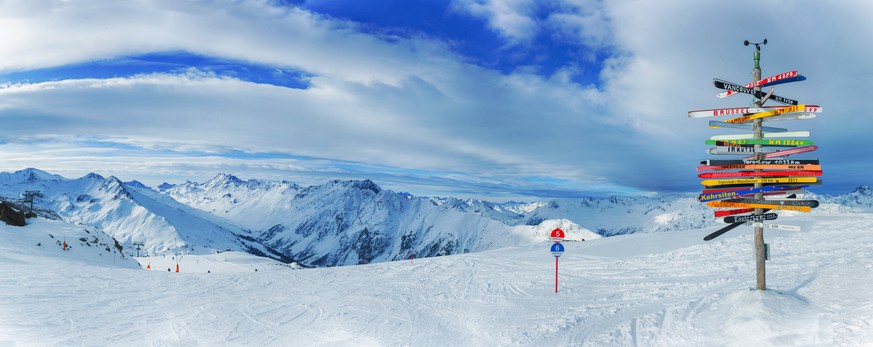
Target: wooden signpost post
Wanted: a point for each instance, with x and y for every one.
(753, 169)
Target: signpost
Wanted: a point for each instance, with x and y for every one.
(557, 249)
(784, 176)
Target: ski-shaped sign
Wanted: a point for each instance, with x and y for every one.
(764, 189)
(719, 124)
(758, 167)
(789, 116)
(751, 218)
(747, 205)
(751, 185)
(725, 213)
(723, 230)
(785, 77)
(802, 133)
(734, 194)
(759, 174)
(777, 226)
(765, 142)
(715, 182)
(759, 162)
(810, 203)
(731, 111)
(739, 150)
(726, 143)
(787, 152)
(768, 113)
(730, 227)
(722, 84)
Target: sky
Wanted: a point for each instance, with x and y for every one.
(493, 99)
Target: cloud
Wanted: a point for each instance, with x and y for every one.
(512, 19)
(581, 22)
(412, 110)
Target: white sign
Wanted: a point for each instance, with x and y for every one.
(777, 226)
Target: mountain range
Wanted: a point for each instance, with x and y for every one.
(345, 222)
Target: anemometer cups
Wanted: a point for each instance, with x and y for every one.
(757, 45)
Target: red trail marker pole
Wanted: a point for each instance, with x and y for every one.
(557, 249)
(556, 274)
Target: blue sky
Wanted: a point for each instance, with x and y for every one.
(493, 99)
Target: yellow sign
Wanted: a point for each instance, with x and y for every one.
(759, 180)
(747, 205)
(776, 112)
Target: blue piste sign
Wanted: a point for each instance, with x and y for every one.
(557, 249)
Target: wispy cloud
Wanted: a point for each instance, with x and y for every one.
(513, 19)
(411, 109)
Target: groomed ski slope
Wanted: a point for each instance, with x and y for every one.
(662, 289)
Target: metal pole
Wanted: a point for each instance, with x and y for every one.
(556, 274)
(760, 254)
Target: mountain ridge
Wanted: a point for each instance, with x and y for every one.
(346, 222)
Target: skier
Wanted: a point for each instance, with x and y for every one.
(65, 245)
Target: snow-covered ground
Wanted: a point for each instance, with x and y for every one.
(661, 289)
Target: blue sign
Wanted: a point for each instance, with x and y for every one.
(557, 249)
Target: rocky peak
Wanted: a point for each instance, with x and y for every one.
(93, 176)
(224, 179)
(28, 175)
(863, 190)
(358, 184)
(136, 184)
(166, 186)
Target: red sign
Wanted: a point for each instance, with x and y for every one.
(557, 235)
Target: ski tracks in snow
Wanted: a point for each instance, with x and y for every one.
(679, 292)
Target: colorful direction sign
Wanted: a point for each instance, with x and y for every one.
(732, 111)
(770, 113)
(785, 77)
(751, 205)
(760, 167)
(803, 133)
(722, 84)
(764, 142)
(777, 226)
(787, 152)
(742, 190)
(721, 182)
(715, 124)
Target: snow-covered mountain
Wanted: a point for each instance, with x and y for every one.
(85, 245)
(27, 175)
(618, 215)
(352, 222)
(129, 214)
(349, 222)
(259, 205)
(859, 199)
